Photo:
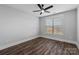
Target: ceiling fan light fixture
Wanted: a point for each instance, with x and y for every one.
(42, 11)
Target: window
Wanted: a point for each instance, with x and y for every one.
(54, 26)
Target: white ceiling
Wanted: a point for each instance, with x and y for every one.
(31, 7)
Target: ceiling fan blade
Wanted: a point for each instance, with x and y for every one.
(39, 6)
(48, 7)
(42, 5)
(47, 11)
(40, 13)
(37, 11)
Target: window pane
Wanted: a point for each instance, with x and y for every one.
(49, 26)
(58, 26)
(49, 22)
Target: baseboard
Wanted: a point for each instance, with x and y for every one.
(69, 41)
(77, 44)
(18, 42)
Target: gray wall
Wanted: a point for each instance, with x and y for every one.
(16, 25)
(69, 24)
(78, 24)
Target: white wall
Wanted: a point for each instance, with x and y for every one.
(71, 25)
(78, 26)
(16, 25)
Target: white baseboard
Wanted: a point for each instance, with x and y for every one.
(77, 44)
(18, 42)
(69, 41)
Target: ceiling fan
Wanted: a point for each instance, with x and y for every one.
(42, 9)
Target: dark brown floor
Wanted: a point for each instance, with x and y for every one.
(42, 46)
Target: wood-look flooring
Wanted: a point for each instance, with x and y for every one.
(42, 46)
